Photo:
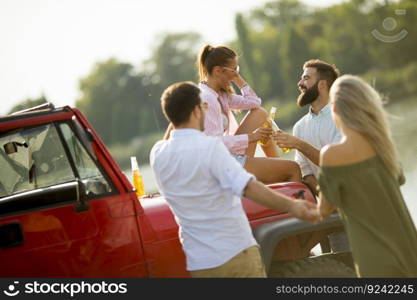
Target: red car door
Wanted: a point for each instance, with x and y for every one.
(60, 215)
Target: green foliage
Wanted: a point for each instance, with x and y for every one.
(270, 63)
(173, 58)
(139, 147)
(394, 84)
(123, 103)
(246, 49)
(294, 52)
(273, 40)
(288, 113)
(117, 102)
(28, 103)
(279, 14)
(277, 48)
(345, 36)
(286, 33)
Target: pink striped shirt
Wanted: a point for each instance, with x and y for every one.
(213, 124)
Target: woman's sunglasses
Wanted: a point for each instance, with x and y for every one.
(237, 69)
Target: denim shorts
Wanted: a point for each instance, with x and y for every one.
(241, 159)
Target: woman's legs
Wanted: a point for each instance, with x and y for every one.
(266, 169)
(253, 120)
(272, 170)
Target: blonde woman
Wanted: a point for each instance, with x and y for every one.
(361, 177)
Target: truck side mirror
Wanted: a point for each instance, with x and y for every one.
(81, 204)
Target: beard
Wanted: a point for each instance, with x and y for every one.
(309, 96)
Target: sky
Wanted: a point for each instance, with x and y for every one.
(46, 46)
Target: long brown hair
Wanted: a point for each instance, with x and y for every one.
(210, 57)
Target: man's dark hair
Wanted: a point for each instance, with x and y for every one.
(179, 100)
(325, 71)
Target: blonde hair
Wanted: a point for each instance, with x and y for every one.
(360, 108)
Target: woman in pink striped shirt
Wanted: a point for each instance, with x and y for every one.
(218, 67)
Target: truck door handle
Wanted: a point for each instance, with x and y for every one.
(11, 235)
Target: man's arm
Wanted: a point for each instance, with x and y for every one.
(231, 176)
(311, 152)
(285, 140)
(300, 209)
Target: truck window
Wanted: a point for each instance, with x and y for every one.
(96, 184)
(32, 158)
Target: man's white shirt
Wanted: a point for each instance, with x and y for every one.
(202, 183)
(318, 130)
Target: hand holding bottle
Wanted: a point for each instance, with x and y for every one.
(260, 134)
(285, 140)
(137, 178)
(268, 124)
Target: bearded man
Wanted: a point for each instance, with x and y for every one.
(316, 129)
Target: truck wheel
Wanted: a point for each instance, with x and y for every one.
(343, 257)
(312, 267)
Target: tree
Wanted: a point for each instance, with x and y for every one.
(247, 50)
(173, 58)
(279, 13)
(118, 103)
(345, 37)
(28, 103)
(123, 103)
(294, 52)
(400, 52)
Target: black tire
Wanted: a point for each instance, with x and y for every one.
(343, 257)
(312, 267)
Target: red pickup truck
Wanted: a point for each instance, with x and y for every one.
(67, 210)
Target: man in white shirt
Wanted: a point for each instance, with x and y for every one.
(202, 183)
(316, 129)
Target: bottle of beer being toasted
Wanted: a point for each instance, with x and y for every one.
(268, 124)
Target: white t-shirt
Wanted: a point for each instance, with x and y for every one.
(202, 184)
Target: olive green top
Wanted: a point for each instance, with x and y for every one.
(382, 234)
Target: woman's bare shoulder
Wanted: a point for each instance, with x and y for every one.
(349, 151)
(332, 155)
